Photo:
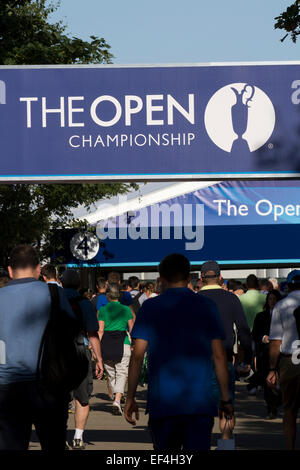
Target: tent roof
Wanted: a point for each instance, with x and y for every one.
(146, 195)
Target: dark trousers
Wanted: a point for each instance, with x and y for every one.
(21, 406)
(186, 432)
(272, 397)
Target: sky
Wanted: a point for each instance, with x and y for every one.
(174, 31)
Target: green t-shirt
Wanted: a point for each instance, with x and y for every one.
(115, 317)
(253, 302)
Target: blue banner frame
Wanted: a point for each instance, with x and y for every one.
(245, 223)
(199, 121)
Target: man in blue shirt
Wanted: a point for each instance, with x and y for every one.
(101, 286)
(183, 334)
(24, 312)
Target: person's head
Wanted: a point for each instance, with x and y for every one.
(240, 290)
(85, 292)
(124, 286)
(273, 297)
(101, 284)
(70, 279)
(148, 288)
(49, 273)
(199, 284)
(265, 285)
(236, 287)
(113, 278)
(141, 286)
(293, 280)
(231, 283)
(174, 271)
(210, 273)
(24, 262)
(274, 283)
(113, 292)
(133, 282)
(252, 282)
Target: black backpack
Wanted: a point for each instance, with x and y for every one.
(135, 303)
(62, 360)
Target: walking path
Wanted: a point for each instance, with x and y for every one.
(108, 432)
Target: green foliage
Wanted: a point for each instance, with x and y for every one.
(30, 213)
(26, 37)
(289, 21)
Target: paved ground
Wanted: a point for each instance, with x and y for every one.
(108, 432)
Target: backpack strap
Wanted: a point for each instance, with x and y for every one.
(123, 298)
(54, 296)
(77, 310)
(55, 300)
(135, 302)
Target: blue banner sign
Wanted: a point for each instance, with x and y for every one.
(236, 223)
(89, 123)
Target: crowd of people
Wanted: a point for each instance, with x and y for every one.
(189, 341)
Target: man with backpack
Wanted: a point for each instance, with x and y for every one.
(135, 292)
(134, 284)
(83, 308)
(25, 306)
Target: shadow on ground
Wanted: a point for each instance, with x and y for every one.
(138, 436)
(253, 431)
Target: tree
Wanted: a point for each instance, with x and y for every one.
(29, 213)
(26, 37)
(289, 21)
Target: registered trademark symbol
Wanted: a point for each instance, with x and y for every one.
(270, 146)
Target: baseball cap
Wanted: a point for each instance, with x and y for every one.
(210, 266)
(293, 277)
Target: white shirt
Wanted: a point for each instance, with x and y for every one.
(54, 282)
(134, 292)
(283, 323)
(144, 297)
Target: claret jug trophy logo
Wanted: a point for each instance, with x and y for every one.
(239, 117)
